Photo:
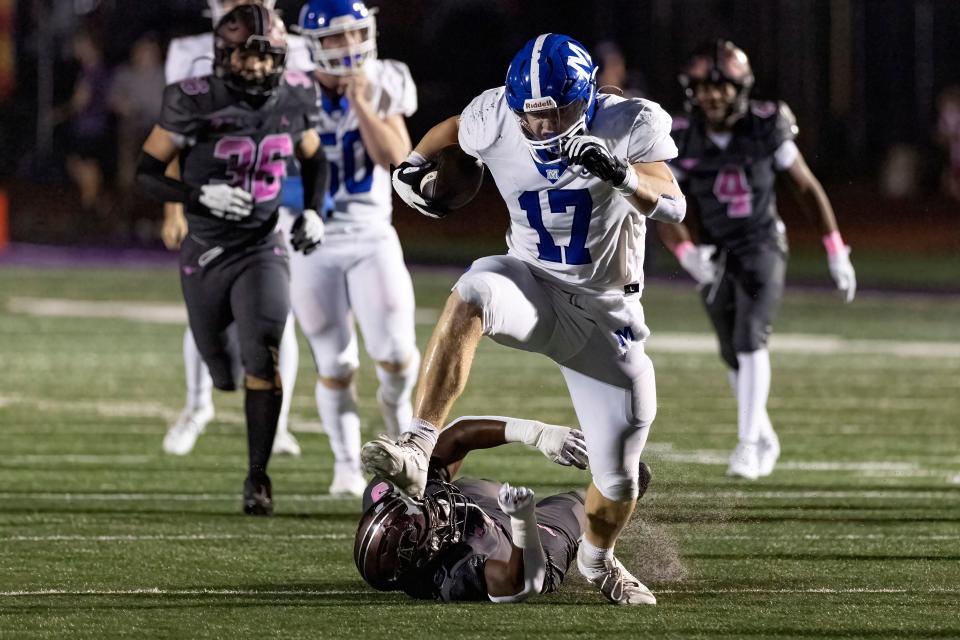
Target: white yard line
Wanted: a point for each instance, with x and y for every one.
(161, 497)
(157, 591)
(187, 537)
(665, 342)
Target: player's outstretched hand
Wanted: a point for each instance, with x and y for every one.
(841, 269)
(515, 501)
(406, 182)
(563, 446)
(590, 153)
(226, 202)
(307, 232)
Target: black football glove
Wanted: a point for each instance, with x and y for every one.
(590, 153)
(406, 182)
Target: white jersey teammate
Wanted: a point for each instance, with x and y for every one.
(358, 274)
(580, 173)
(190, 57)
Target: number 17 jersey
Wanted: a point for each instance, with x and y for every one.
(568, 225)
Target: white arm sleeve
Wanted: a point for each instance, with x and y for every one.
(480, 122)
(298, 54)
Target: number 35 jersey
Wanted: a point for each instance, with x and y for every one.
(226, 139)
(360, 189)
(733, 178)
(565, 223)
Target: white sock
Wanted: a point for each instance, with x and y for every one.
(590, 559)
(424, 434)
(199, 382)
(289, 363)
(394, 395)
(753, 389)
(341, 421)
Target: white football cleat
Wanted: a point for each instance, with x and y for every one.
(183, 434)
(768, 453)
(284, 444)
(618, 585)
(347, 481)
(402, 462)
(745, 461)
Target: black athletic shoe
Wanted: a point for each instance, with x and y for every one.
(257, 497)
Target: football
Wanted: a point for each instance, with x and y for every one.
(454, 182)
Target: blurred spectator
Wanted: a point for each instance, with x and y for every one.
(948, 134)
(614, 73)
(89, 122)
(136, 96)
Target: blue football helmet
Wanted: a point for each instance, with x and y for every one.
(551, 87)
(342, 34)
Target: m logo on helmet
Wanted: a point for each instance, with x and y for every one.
(579, 61)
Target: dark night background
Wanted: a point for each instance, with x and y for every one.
(863, 77)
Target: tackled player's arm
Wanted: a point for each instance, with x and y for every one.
(524, 573)
(561, 445)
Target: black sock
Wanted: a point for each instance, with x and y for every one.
(262, 407)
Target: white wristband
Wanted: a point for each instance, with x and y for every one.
(669, 209)
(523, 528)
(519, 430)
(630, 183)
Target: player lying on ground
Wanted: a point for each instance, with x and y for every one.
(471, 539)
(732, 153)
(235, 131)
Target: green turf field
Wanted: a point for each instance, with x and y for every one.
(857, 533)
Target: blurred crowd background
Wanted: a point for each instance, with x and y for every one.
(875, 85)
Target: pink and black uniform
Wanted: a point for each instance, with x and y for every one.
(478, 530)
(246, 142)
(731, 179)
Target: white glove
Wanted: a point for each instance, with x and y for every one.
(226, 202)
(516, 502)
(841, 269)
(307, 232)
(697, 261)
(560, 445)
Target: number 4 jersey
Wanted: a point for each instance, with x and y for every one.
(228, 140)
(732, 177)
(361, 190)
(565, 223)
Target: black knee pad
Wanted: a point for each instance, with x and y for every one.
(221, 372)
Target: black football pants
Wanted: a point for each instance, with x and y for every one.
(249, 285)
(743, 302)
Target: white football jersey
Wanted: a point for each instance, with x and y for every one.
(192, 56)
(361, 190)
(569, 225)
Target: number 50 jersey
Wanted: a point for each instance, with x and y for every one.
(225, 139)
(565, 223)
(361, 190)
